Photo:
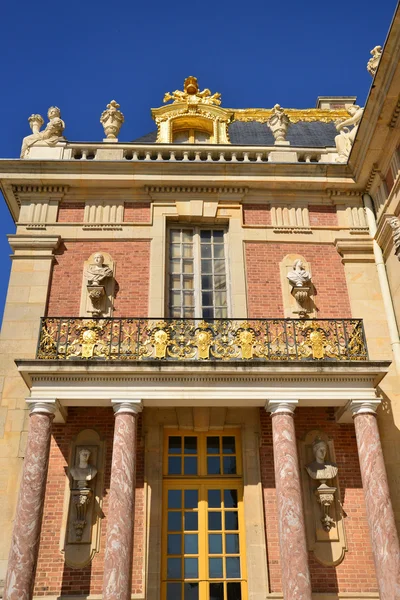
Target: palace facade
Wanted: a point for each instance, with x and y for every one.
(201, 355)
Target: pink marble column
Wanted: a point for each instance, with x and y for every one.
(117, 577)
(24, 550)
(382, 526)
(296, 583)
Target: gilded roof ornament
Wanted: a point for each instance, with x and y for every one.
(191, 94)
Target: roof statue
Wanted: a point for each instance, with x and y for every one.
(373, 62)
(192, 95)
(50, 135)
(345, 140)
(112, 119)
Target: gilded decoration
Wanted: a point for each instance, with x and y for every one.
(199, 340)
(192, 109)
(309, 115)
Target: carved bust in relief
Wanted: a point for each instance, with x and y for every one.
(299, 277)
(83, 472)
(320, 469)
(97, 272)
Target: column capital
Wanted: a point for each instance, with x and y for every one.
(130, 407)
(45, 406)
(281, 406)
(363, 407)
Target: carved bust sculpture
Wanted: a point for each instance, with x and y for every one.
(83, 473)
(97, 272)
(344, 141)
(299, 277)
(51, 134)
(320, 469)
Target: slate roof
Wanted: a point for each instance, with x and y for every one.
(310, 135)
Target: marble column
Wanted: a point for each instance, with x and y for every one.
(296, 583)
(382, 526)
(117, 577)
(24, 550)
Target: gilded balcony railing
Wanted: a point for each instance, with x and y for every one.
(258, 340)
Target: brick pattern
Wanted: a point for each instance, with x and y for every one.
(256, 214)
(53, 576)
(264, 292)
(138, 212)
(356, 573)
(71, 212)
(322, 215)
(132, 277)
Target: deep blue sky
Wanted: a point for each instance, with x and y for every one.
(81, 55)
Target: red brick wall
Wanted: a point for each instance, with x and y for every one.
(71, 212)
(256, 214)
(322, 215)
(138, 212)
(356, 572)
(132, 277)
(53, 576)
(264, 291)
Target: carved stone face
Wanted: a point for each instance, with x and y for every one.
(53, 112)
(98, 259)
(320, 451)
(84, 454)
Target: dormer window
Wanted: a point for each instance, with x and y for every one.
(191, 136)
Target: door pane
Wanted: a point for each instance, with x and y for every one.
(190, 465)
(212, 445)
(191, 543)
(215, 567)
(174, 499)
(174, 521)
(174, 591)
(216, 591)
(233, 567)
(214, 498)
(174, 569)
(214, 521)
(232, 543)
(174, 543)
(191, 498)
(191, 591)
(214, 543)
(231, 521)
(191, 521)
(191, 568)
(230, 499)
(234, 590)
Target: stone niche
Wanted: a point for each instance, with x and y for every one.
(83, 500)
(327, 542)
(291, 306)
(98, 286)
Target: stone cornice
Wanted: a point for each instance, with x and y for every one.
(355, 250)
(33, 246)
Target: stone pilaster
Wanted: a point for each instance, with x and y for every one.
(24, 550)
(296, 583)
(119, 543)
(384, 538)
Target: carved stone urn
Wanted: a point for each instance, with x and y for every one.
(279, 123)
(112, 119)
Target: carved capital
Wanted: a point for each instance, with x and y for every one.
(42, 407)
(130, 407)
(276, 407)
(363, 407)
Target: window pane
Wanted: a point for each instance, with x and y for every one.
(218, 236)
(190, 464)
(216, 591)
(187, 266)
(230, 498)
(220, 299)
(175, 282)
(206, 266)
(175, 250)
(174, 521)
(233, 567)
(188, 299)
(174, 444)
(206, 282)
(221, 313)
(219, 267)
(205, 250)
(205, 235)
(234, 590)
(228, 444)
(232, 543)
(219, 251)
(187, 236)
(191, 521)
(188, 283)
(208, 313)
(190, 445)
(207, 298)
(229, 465)
(212, 445)
(174, 544)
(187, 251)
(191, 568)
(215, 543)
(175, 235)
(174, 499)
(191, 543)
(214, 498)
(174, 591)
(231, 521)
(213, 465)
(174, 568)
(215, 567)
(214, 521)
(219, 282)
(191, 498)
(191, 591)
(174, 465)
